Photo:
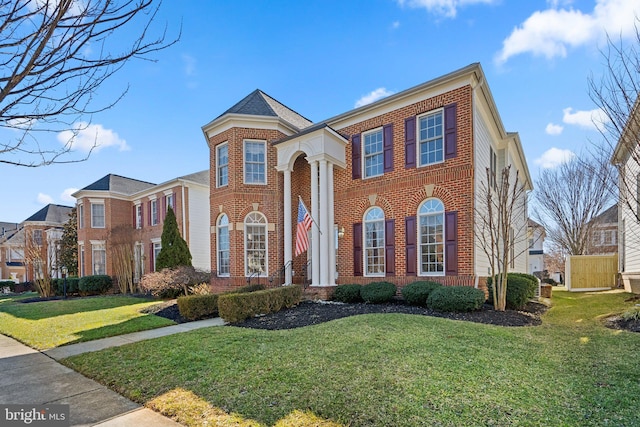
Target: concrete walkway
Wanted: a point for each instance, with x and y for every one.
(30, 377)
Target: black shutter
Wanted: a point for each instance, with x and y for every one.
(356, 153)
(410, 236)
(410, 142)
(389, 247)
(357, 249)
(450, 131)
(451, 243)
(387, 138)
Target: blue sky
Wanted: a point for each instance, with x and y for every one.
(322, 58)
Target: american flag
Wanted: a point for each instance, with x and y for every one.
(304, 224)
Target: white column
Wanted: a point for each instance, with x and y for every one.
(324, 224)
(288, 240)
(332, 231)
(315, 233)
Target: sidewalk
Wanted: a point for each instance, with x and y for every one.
(28, 376)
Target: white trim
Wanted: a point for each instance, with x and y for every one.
(266, 243)
(244, 161)
(362, 152)
(217, 165)
(418, 151)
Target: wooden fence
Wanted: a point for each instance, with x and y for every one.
(591, 272)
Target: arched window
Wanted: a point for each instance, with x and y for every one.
(255, 244)
(374, 242)
(222, 240)
(431, 237)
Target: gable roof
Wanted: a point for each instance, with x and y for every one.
(609, 216)
(57, 214)
(118, 184)
(201, 177)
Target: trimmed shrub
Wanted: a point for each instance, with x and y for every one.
(521, 288)
(236, 307)
(171, 283)
(8, 284)
(549, 281)
(416, 293)
(194, 307)
(72, 285)
(378, 292)
(347, 293)
(456, 299)
(94, 285)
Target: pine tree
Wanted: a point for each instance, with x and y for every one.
(175, 251)
(69, 244)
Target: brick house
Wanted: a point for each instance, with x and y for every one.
(393, 188)
(604, 233)
(116, 209)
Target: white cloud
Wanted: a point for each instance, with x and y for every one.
(592, 120)
(22, 123)
(66, 195)
(373, 96)
(553, 129)
(85, 137)
(554, 157)
(44, 199)
(551, 32)
(395, 25)
(447, 8)
(189, 63)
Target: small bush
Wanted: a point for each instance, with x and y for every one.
(72, 286)
(347, 293)
(234, 307)
(521, 288)
(632, 314)
(194, 307)
(171, 283)
(8, 284)
(378, 292)
(549, 281)
(456, 299)
(94, 285)
(416, 293)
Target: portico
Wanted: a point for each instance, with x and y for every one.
(324, 149)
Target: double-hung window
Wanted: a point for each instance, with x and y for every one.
(223, 245)
(222, 165)
(97, 215)
(154, 212)
(431, 138)
(139, 216)
(80, 216)
(255, 162)
(373, 153)
(431, 237)
(99, 258)
(255, 244)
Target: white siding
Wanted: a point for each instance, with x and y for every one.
(629, 227)
(199, 229)
(482, 144)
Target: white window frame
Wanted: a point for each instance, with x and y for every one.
(139, 217)
(245, 163)
(255, 224)
(222, 169)
(94, 217)
(169, 200)
(377, 155)
(440, 114)
(157, 247)
(138, 261)
(431, 210)
(223, 246)
(81, 260)
(98, 257)
(155, 217)
(80, 213)
(374, 242)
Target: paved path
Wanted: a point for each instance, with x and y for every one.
(28, 376)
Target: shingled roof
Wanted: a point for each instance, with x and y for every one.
(119, 184)
(258, 103)
(201, 177)
(57, 214)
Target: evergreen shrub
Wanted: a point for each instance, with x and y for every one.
(416, 293)
(94, 285)
(234, 307)
(378, 292)
(456, 299)
(521, 288)
(194, 307)
(347, 293)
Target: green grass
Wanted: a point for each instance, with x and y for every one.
(391, 369)
(48, 324)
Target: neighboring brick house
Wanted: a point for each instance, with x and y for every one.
(537, 235)
(604, 233)
(116, 209)
(393, 186)
(41, 233)
(11, 252)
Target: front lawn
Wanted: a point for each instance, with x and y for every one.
(48, 324)
(390, 370)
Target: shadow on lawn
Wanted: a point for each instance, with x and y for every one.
(37, 309)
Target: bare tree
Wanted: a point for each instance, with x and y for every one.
(568, 198)
(500, 224)
(54, 55)
(35, 257)
(121, 241)
(616, 94)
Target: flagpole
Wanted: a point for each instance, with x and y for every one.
(310, 216)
